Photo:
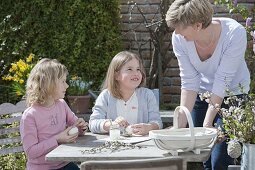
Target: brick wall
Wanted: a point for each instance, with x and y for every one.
(136, 36)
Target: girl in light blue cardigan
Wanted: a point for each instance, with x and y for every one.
(124, 100)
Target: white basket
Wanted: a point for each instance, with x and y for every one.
(184, 139)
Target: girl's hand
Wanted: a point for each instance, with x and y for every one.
(141, 128)
(63, 137)
(81, 124)
(122, 122)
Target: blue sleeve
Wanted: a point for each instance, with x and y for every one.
(99, 113)
(153, 109)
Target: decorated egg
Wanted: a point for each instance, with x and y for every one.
(73, 131)
(129, 130)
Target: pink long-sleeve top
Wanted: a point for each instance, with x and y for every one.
(39, 127)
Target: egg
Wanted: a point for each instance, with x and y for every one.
(73, 131)
(129, 130)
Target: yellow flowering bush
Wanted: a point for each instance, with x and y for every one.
(18, 74)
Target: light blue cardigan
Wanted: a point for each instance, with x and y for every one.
(105, 108)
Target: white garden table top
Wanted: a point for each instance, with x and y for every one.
(73, 151)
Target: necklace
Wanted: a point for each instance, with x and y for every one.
(128, 99)
(208, 46)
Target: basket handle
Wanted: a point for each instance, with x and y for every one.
(190, 122)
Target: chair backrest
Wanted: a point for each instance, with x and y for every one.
(142, 164)
(10, 115)
(94, 94)
(156, 93)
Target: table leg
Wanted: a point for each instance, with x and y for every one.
(184, 165)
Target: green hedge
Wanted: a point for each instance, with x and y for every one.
(82, 34)
(15, 161)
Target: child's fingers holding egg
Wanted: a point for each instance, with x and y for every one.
(73, 131)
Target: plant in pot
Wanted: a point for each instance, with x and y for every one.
(77, 94)
(239, 126)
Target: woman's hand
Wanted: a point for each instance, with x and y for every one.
(220, 135)
(220, 138)
(63, 137)
(207, 124)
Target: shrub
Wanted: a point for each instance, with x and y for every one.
(16, 161)
(83, 35)
(12, 161)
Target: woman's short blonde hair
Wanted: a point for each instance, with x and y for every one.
(42, 81)
(116, 64)
(183, 13)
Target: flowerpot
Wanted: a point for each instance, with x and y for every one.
(79, 104)
(248, 157)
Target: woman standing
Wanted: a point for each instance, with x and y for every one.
(210, 53)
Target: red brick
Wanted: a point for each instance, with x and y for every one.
(175, 99)
(176, 81)
(166, 98)
(172, 72)
(166, 89)
(175, 89)
(174, 63)
(138, 18)
(138, 9)
(124, 9)
(220, 9)
(140, 36)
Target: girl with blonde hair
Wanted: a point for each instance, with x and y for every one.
(124, 100)
(46, 122)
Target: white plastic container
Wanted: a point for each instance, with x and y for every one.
(114, 131)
